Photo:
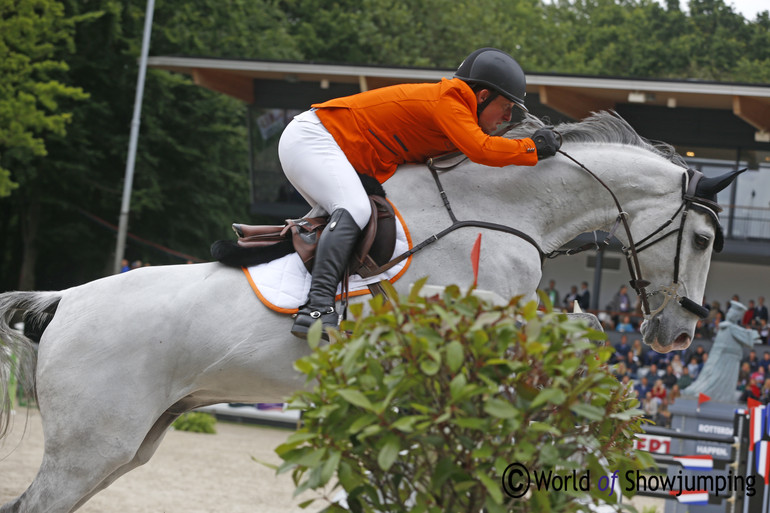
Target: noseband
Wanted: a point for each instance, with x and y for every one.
(631, 252)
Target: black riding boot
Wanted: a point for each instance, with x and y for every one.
(331, 259)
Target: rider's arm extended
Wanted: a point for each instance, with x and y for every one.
(456, 116)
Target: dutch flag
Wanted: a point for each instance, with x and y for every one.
(697, 497)
(698, 462)
(762, 460)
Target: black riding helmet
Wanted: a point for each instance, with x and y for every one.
(496, 70)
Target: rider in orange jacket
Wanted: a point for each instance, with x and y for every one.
(374, 132)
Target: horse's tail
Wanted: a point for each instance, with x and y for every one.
(17, 352)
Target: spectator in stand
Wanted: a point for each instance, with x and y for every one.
(621, 371)
(620, 304)
(640, 354)
(765, 363)
(659, 389)
(744, 375)
(748, 316)
(669, 378)
(650, 406)
(655, 373)
(676, 363)
(622, 348)
(752, 391)
(715, 309)
(764, 332)
(702, 329)
(584, 297)
(625, 326)
(703, 362)
(714, 324)
(752, 360)
(765, 392)
(674, 393)
(760, 311)
(698, 353)
(553, 294)
(570, 298)
(605, 320)
(685, 380)
(654, 357)
(642, 387)
(663, 419)
(759, 376)
(692, 368)
(631, 365)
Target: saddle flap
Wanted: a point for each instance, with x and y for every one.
(305, 233)
(378, 240)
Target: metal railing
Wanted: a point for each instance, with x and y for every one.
(748, 222)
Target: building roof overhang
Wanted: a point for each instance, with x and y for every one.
(572, 95)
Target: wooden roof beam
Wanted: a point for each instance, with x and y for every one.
(575, 105)
(752, 111)
(231, 84)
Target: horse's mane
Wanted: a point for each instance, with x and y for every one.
(599, 127)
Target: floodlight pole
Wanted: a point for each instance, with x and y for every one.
(135, 122)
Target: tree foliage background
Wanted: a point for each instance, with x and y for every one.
(68, 73)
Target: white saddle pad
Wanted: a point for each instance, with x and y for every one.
(283, 284)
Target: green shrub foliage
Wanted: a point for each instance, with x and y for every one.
(429, 400)
(196, 422)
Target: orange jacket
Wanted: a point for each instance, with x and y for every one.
(383, 128)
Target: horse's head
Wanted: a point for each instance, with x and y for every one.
(670, 225)
(674, 265)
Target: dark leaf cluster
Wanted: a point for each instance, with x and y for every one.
(429, 400)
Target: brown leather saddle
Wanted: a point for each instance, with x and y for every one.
(374, 249)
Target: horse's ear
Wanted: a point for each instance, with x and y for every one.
(708, 188)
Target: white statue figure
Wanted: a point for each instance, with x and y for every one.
(719, 376)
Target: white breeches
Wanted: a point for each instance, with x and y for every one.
(319, 170)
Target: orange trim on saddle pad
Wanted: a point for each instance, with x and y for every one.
(352, 293)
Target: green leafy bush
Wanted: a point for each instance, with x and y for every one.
(427, 403)
(196, 422)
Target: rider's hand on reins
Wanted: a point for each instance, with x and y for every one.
(547, 142)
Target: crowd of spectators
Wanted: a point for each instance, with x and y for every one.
(622, 312)
(658, 379)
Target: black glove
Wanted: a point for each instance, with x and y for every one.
(547, 142)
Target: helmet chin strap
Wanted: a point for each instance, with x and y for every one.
(483, 105)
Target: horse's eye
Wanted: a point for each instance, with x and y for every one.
(702, 241)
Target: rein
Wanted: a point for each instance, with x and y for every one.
(631, 252)
(456, 224)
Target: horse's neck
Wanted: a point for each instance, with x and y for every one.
(645, 186)
(556, 200)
